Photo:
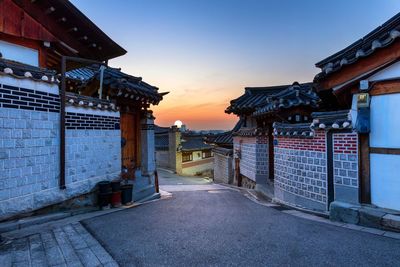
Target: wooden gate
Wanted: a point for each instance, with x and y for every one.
(130, 133)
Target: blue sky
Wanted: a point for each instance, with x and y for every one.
(206, 51)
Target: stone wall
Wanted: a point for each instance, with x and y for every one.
(253, 157)
(223, 166)
(198, 167)
(29, 148)
(345, 156)
(29, 144)
(93, 148)
(301, 171)
(162, 158)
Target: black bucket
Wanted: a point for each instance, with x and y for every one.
(104, 199)
(126, 194)
(104, 187)
(116, 186)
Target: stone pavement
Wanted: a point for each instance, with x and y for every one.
(68, 245)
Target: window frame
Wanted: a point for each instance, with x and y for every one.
(187, 156)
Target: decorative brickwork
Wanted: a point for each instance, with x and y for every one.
(78, 121)
(345, 143)
(317, 143)
(345, 159)
(22, 98)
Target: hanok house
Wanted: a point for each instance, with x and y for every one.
(253, 143)
(58, 139)
(365, 78)
(185, 153)
(337, 155)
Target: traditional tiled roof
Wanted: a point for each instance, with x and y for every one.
(124, 85)
(226, 138)
(23, 71)
(161, 130)
(321, 120)
(381, 37)
(250, 131)
(223, 151)
(293, 130)
(194, 142)
(252, 97)
(89, 102)
(334, 119)
(293, 96)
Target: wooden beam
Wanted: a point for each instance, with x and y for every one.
(385, 87)
(364, 172)
(384, 150)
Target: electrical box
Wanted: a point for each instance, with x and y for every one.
(363, 100)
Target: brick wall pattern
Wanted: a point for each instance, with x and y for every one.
(345, 159)
(23, 98)
(80, 121)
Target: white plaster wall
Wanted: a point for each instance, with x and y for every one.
(385, 126)
(393, 71)
(19, 53)
(84, 110)
(385, 181)
(385, 121)
(42, 86)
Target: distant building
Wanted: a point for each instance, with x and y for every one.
(224, 163)
(184, 153)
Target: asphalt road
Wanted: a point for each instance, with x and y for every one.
(168, 178)
(222, 227)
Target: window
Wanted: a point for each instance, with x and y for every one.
(19, 53)
(187, 156)
(207, 154)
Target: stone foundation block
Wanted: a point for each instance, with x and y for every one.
(344, 212)
(391, 222)
(371, 217)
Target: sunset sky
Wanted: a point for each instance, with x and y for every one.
(206, 51)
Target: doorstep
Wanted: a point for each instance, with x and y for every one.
(365, 215)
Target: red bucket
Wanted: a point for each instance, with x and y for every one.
(116, 199)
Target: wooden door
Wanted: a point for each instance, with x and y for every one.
(130, 135)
